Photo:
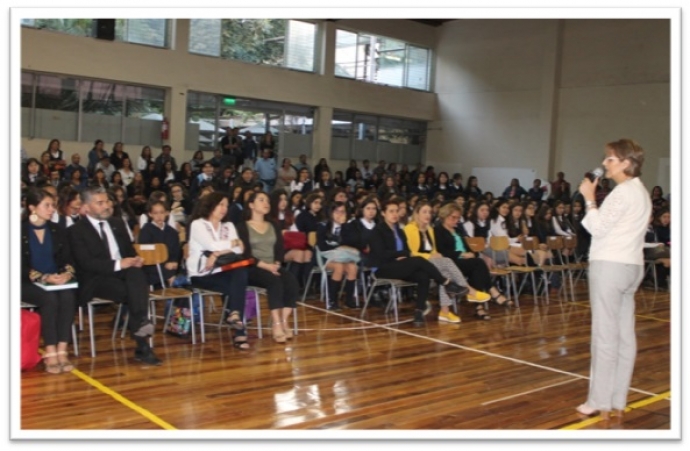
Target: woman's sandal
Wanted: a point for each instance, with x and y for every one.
(65, 365)
(279, 337)
(52, 368)
(235, 321)
(287, 330)
(240, 342)
(481, 314)
(507, 303)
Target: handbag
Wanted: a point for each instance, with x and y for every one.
(295, 240)
(30, 338)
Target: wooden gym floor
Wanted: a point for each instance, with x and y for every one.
(526, 369)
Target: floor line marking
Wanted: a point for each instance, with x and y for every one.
(529, 391)
(581, 304)
(632, 406)
(479, 351)
(118, 397)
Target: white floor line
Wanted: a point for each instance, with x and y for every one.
(465, 348)
(529, 391)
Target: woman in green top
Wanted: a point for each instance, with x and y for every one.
(263, 241)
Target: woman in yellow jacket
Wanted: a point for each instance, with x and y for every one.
(422, 243)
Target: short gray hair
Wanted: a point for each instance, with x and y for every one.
(91, 191)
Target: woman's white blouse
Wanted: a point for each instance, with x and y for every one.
(203, 237)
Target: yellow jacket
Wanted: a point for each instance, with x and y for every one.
(414, 240)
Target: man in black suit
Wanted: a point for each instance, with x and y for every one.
(109, 268)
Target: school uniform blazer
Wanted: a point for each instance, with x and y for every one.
(383, 249)
(61, 252)
(92, 259)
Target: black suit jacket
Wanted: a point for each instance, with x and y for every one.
(445, 242)
(91, 257)
(382, 245)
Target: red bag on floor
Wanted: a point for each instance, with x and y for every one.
(31, 334)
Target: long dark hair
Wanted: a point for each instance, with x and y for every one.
(35, 196)
(247, 213)
(207, 204)
(275, 212)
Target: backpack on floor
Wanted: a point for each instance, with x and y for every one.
(180, 318)
(31, 335)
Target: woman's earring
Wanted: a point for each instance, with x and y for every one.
(33, 217)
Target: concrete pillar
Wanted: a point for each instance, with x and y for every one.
(176, 97)
(321, 143)
(551, 77)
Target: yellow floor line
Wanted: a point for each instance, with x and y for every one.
(636, 405)
(118, 397)
(581, 304)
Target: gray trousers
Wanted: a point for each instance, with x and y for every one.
(450, 270)
(612, 289)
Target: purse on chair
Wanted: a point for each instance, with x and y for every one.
(295, 240)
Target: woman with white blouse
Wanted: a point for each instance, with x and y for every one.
(616, 268)
(126, 172)
(516, 254)
(209, 238)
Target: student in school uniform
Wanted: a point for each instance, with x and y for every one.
(158, 231)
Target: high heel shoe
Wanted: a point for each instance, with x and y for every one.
(287, 330)
(235, 321)
(278, 333)
(65, 365)
(240, 342)
(52, 368)
(480, 313)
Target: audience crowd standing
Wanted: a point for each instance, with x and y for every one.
(362, 219)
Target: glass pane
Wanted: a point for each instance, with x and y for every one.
(390, 62)
(341, 125)
(102, 98)
(345, 54)
(417, 68)
(27, 89)
(259, 41)
(365, 127)
(55, 93)
(204, 36)
(202, 132)
(28, 22)
(298, 125)
(57, 106)
(78, 27)
(142, 31)
(145, 103)
(299, 45)
(366, 46)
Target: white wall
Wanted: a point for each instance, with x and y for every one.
(548, 94)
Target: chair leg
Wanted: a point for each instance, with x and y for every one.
(201, 319)
(81, 318)
(75, 341)
(191, 313)
(294, 319)
(222, 311)
(366, 299)
(306, 286)
(117, 323)
(259, 324)
(91, 337)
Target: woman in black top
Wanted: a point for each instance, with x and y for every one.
(46, 259)
(319, 168)
(263, 241)
(341, 259)
(32, 174)
(118, 155)
(390, 258)
(472, 189)
(451, 244)
(358, 233)
(309, 219)
(186, 175)
(388, 188)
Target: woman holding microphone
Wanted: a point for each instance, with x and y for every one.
(616, 268)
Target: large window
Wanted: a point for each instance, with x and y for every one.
(275, 42)
(85, 110)
(381, 60)
(154, 32)
(360, 136)
(209, 114)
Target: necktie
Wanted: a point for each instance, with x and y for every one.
(336, 231)
(104, 237)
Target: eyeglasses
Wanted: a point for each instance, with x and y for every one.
(611, 159)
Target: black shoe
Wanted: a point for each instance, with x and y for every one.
(147, 356)
(334, 307)
(418, 318)
(453, 289)
(350, 303)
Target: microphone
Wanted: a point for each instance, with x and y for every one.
(597, 172)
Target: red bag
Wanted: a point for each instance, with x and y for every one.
(31, 334)
(295, 240)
